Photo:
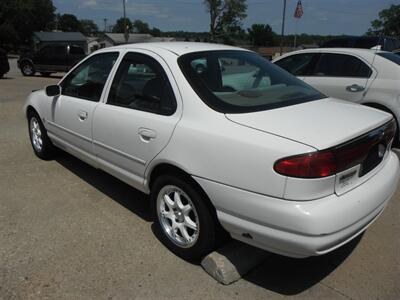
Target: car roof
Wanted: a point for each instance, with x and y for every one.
(178, 48)
(356, 51)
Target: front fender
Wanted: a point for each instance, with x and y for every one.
(36, 100)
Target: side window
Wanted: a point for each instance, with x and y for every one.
(141, 83)
(76, 50)
(88, 79)
(341, 65)
(298, 65)
(59, 50)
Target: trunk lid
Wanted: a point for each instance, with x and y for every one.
(321, 124)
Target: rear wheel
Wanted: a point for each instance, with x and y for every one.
(27, 69)
(187, 226)
(41, 143)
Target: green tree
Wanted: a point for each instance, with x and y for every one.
(155, 32)
(119, 27)
(140, 27)
(68, 23)
(88, 27)
(21, 19)
(225, 15)
(388, 22)
(261, 35)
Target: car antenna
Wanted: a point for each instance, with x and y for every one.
(377, 48)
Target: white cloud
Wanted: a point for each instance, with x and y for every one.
(89, 3)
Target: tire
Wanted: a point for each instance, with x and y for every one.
(27, 69)
(1, 75)
(45, 74)
(186, 211)
(40, 142)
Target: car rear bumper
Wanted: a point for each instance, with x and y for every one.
(303, 228)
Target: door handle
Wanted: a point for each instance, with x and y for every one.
(355, 88)
(146, 134)
(82, 115)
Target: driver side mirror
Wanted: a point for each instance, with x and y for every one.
(53, 90)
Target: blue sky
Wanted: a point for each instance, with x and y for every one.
(351, 17)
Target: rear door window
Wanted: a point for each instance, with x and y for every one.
(299, 64)
(142, 84)
(341, 65)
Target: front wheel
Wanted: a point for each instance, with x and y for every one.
(27, 69)
(187, 226)
(41, 143)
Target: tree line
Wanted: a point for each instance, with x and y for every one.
(19, 19)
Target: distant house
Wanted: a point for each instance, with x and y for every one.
(163, 39)
(41, 38)
(93, 44)
(115, 39)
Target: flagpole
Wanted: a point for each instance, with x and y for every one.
(125, 28)
(283, 24)
(295, 34)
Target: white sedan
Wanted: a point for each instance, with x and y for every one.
(238, 146)
(369, 77)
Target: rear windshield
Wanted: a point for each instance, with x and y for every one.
(242, 81)
(391, 56)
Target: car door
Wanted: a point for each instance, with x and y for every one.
(138, 118)
(58, 58)
(342, 76)
(72, 111)
(41, 59)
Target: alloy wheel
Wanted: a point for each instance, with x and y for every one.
(178, 216)
(36, 134)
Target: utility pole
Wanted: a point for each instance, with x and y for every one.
(283, 24)
(126, 34)
(105, 25)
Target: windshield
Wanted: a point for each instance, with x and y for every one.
(241, 81)
(390, 56)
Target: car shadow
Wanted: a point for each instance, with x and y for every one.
(290, 276)
(120, 192)
(280, 274)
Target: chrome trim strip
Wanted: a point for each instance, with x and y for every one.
(68, 131)
(116, 151)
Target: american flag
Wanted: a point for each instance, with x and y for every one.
(298, 13)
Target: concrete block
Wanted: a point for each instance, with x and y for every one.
(229, 263)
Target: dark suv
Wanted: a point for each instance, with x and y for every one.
(4, 65)
(51, 58)
(365, 42)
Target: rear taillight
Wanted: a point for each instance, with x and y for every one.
(310, 165)
(337, 159)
